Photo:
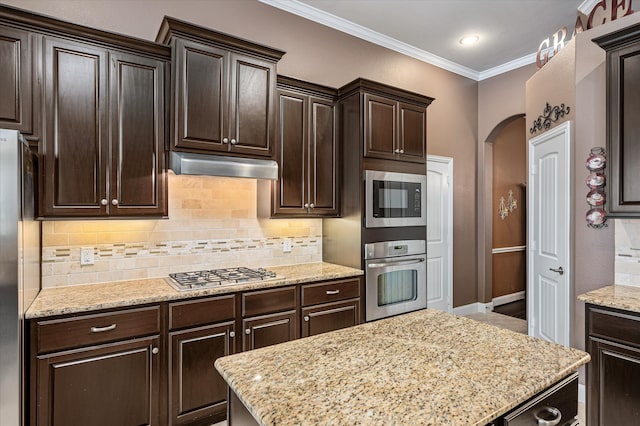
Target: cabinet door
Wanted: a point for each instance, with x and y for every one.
(201, 96)
(268, 330)
(380, 127)
(138, 181)
(413, 133)
(624, 133)
(252, 106)
(613, 394)
(197, 391)
(15, 79)
(331, 316)
(114, 384)
(323, 159)
(75, 143)
(290, 192)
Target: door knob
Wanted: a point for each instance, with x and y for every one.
(559, 270)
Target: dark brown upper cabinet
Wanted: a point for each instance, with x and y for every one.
(103, 144)
(17, 80)
(394, 121)
(623, 127)
(307, 151)
(223, 97)
(100, 98)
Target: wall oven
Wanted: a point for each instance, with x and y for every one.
(395, 199)
(396, 278)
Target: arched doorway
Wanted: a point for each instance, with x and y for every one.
(505, 231)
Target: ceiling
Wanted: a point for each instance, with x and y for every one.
(510, 30)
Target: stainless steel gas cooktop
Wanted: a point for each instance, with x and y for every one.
(184, 281)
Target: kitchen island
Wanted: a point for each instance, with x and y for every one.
(426, 367)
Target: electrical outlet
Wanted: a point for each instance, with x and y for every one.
(286, 245)
(86, 256)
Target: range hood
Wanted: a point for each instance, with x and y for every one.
(186, 163)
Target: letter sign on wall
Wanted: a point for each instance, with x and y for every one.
(603, 11)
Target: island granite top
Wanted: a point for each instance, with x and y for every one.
(427, 367)
(614, 296)
(86, 298)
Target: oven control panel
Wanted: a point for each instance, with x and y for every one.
(393, 248)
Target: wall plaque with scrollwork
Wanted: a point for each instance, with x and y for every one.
(549, 115)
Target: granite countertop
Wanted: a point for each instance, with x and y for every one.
(426, 367)
(614, 296)
(85, 298)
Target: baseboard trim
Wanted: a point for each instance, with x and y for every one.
(582, 393)
(508, 298)
(473, 308)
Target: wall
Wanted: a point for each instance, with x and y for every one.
(326, 56)
(576, 76)
(509, 173)
(212, 224)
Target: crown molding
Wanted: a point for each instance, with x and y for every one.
(507, 66)
(343, 25)
(587, 6)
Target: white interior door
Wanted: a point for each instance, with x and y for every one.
(549, 277)
(440, 233)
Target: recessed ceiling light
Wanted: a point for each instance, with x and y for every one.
(469, 40)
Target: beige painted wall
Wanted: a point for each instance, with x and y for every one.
(501, 97)
(322, 55)
(576, 76)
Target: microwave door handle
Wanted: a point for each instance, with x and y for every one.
(396, 263)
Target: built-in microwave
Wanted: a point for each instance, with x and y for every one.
(395, 199)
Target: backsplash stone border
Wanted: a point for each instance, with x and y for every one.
(129, 261)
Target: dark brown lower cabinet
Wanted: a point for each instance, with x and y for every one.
(198, 392)
(268, 330)
(106, 385)
(330, 316)
(613, 375)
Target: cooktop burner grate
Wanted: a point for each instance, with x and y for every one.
(183, 281)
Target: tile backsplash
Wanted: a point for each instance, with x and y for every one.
(212, 223)
(627, 267)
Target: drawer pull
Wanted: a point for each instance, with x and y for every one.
(548, 416)
(331, 292)
(103, 329)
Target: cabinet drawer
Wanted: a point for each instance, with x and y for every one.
(267, 301)
(614, 325)
(201, 311)
(313, 294)
(54, 335)
(563, 397)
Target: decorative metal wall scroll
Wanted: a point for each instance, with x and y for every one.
(596, 181)
(508, 206)
(549, 115)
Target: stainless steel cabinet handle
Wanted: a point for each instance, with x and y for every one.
(330, 292)
(397, 151)
(225, 140)
(232, 334)
(155, 351)
(306, 318)
(103, 329)
(312, 205)
(114, 202)
(233, 141)
(402, 151)
(396, 263)
(247, 331)
(306, 205)
(548, 416)
(104, 202)
(559, 270)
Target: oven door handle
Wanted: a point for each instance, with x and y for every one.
(395, 263)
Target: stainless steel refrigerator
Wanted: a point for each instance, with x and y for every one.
(19, 269)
